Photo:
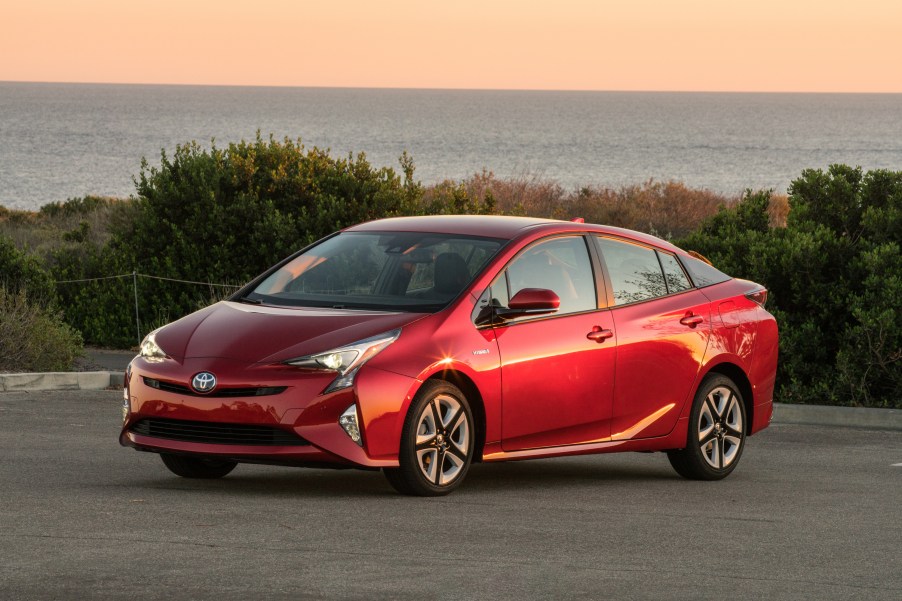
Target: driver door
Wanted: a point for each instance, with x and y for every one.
(557, 384)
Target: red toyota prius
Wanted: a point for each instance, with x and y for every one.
(418, 345)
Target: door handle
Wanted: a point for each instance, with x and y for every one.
(692, 320)
(599, 335)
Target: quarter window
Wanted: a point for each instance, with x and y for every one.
(674, 276)
(703, 274)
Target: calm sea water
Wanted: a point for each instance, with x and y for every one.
(64, 140)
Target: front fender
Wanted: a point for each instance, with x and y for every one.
(384, 399)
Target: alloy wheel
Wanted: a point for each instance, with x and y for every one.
(443, 436)
(716, 433)
(720, 427)
(438, 442)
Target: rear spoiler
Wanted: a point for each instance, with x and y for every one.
(699, 256)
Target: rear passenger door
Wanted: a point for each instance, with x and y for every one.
(663, 326)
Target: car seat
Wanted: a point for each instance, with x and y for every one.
(451, 274)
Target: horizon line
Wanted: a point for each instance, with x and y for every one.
(440, 89)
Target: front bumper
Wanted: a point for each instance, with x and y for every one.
(300, 409)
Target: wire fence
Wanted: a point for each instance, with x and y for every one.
(134, 276)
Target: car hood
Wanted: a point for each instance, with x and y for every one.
(261, 334)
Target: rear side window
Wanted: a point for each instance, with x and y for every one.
(674, 276)
(634, 270)
(702, 273)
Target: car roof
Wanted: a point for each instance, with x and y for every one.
(499, 226)
(492, 226)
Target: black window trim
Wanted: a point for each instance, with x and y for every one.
(663, 275)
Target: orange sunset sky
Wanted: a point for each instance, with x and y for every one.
(728, 45)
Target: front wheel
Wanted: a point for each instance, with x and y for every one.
(436, 443)
(716, 431)
(197, 467)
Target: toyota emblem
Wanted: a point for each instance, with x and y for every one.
(204, 382)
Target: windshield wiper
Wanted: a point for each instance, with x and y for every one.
(250, 301)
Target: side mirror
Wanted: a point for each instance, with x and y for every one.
(531, 301)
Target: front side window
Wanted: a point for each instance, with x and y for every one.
(561, 265)
(403, 271)
(634, 271)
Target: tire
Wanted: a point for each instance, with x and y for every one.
(196, 467)
(716, 434)
(437, 442)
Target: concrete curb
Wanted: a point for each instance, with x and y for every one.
(62, 380)
(850, 417)
(816, 415)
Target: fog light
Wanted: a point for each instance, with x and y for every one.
(348, 421)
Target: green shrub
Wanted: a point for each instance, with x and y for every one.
(455, 198)
(34, 338)
(870, 363)
(835, 280)
(22, 271)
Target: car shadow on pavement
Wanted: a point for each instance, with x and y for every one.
(275, 482)
(279, 482)
(563, 472)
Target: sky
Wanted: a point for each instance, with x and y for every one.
(673, 45)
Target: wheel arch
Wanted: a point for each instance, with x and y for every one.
(741, 379)
(474, 397)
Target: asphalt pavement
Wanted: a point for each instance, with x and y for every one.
(811, 512)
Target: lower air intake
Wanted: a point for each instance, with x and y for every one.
(216, 433)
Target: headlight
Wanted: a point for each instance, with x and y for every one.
(346, 360)
(150, 349)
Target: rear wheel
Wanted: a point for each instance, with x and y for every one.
(716, 431)
(197, 467)
(436, 443)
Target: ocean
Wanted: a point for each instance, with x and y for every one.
(64, 140)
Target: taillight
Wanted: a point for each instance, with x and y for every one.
(758, 296)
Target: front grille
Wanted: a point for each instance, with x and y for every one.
(218, 392)
(216, 433)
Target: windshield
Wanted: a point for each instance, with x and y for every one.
(389, 271)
